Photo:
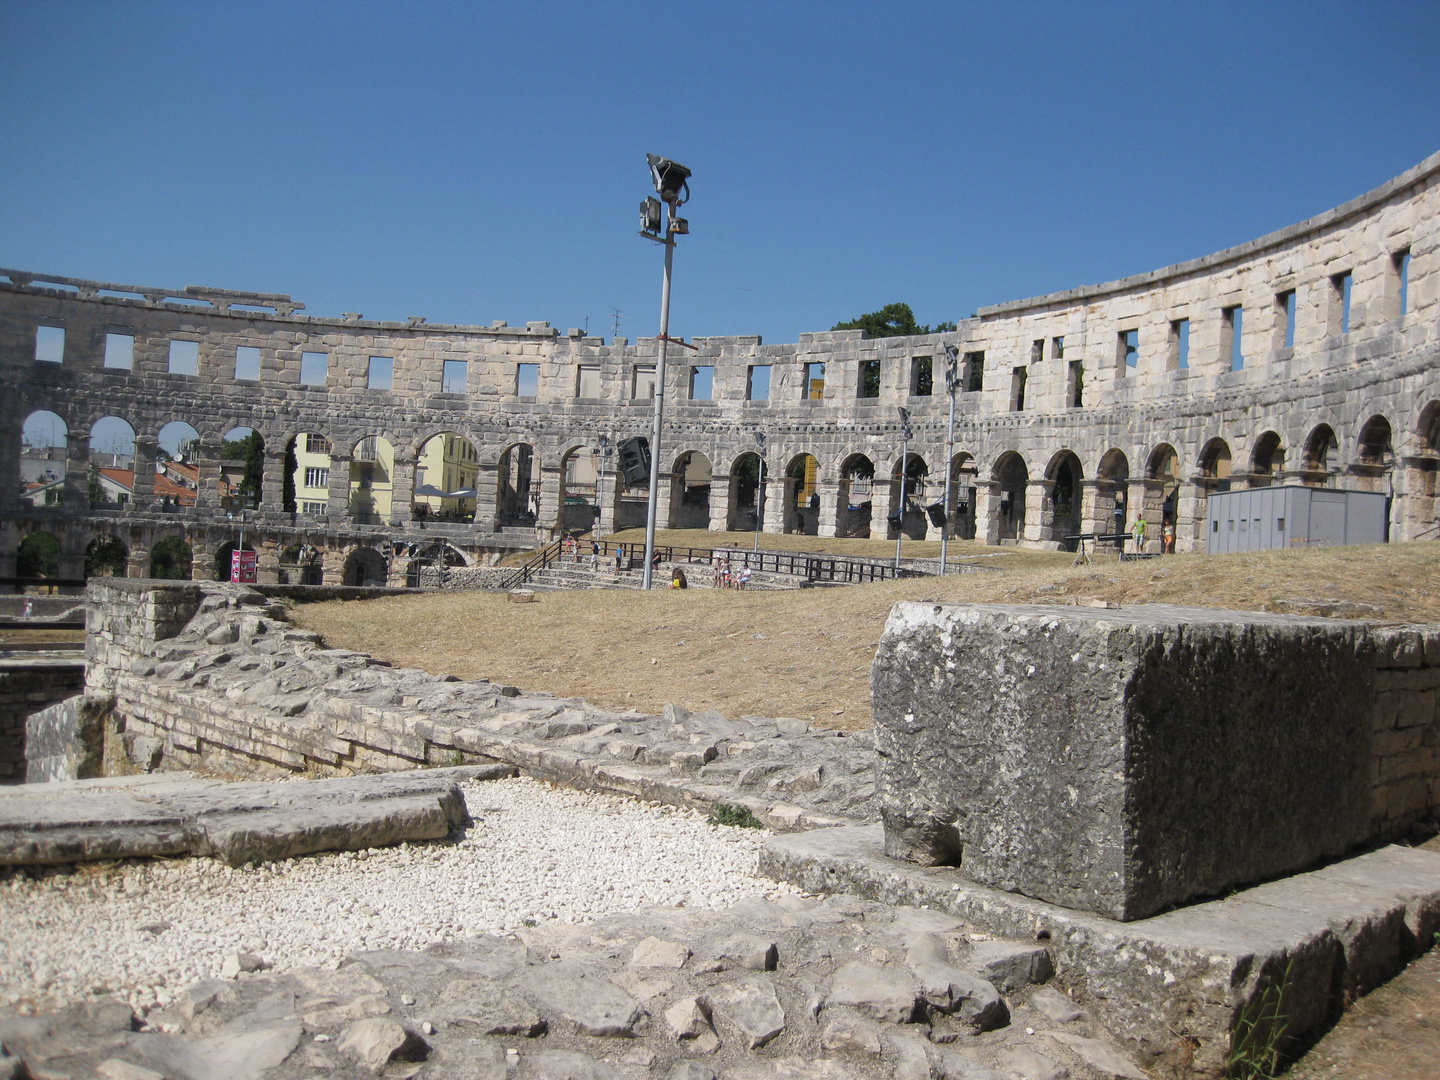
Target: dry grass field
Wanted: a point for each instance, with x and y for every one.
(807, 653)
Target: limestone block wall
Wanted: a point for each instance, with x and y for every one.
(26, 689)
(1405, 754)
(1310, 355)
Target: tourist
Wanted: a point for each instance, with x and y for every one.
(29, 608)
(619, 558)
(677, 579)
(1139, 531)
(1167, 538)
(594, 554)
(743, 578)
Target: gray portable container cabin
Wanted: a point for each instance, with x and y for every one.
(1259, 519)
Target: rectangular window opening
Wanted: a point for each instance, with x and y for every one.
(1017, 389)
(314, 508)
(643, 387)
(974, 372)
(527, 380)
(50, 344)
(1232, 335)
(317, 476)
(316, 444)
(454, 376)
(758, 384)
(1057, 348)
(815, 381)
(184, 357)
(120, 351)
(1077, 384)
(702, 382)
(1037, 350)
(587, 382)
(1129, 350)
(1285, 303)
(247, 363)
(382, 373)
(1402, 273)
(922, 376)
(1340, 286)
(869, 386)
(314, 368)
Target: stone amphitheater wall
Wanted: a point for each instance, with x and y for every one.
(1168, 408)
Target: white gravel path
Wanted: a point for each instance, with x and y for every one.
(534, 853)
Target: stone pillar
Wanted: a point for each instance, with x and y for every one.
(144, 490)
(72, 556)
(719, 502)
(487, 494)
(1415, 513)
(137, 557)
(1190, 511)
(829, 492)
(272, 489)
(75, 492)
(1096, 503)
(267, 553)
(607, 490)
(1039, 514)
(337, 508)
(207, 477)
(774, 519)
(987, 511)
(1152, 503)
(549, 512)
(663, 490)
(202, 556)
(402, 488)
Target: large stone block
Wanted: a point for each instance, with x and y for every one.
(1121, 761)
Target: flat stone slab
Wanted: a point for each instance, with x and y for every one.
(1169, 987)
(237, 821)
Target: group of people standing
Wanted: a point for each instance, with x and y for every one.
(1167, 536)
(727, 577)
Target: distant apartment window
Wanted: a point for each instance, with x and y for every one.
(527, 380)
(1017, 389)
(454, 375)
(314, 368)
(1285, 306)
(1077, 384)
(316, 444)
(317, 476)
(643, 388)
(184, 358)
(1037, 350)
(50, 344)
(313, 507)
(815, 381)
(702, 382)
(1057, 348)
(974, 372)
(757, 386)
(1402, 273)
(1129, 350)
(1232, 327)
(587, 381)
(120, 351)
(247, 363)
(869, 386)
(382, 373)
(1180, 343)
(922, 376)
(1340, 290)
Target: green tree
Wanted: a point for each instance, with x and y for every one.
(106, 557)
(94, 488)
(250, 450)
(170, 558)
(893, 320)
(38, 556)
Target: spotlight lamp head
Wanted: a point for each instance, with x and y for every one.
(905, 421)
(650, 216)
(760, 440)
(670, 179)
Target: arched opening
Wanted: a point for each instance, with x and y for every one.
(690, 491)
(579, 490)
(962, 496)
(38, 556)
(1317, 469)
(111, 482)
(307, 475)
(242, 468)
(517, 495)
(1063, 499)
(1215, 465)
(1011, 477)
(44, 442)
(907, 500)
(372, 480)
(171, 559)
(746, 511)
(1429, 429)
(802, 495)
(1268, 460)
(1164, 466)
(855, 505)
(177, 469)
(225, 559)
(1375, 469)
(366, 566)
(302, 564)
(428, 563)
(1112, 492)
(106, 556)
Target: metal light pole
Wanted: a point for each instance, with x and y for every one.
(604, 446)
(905, 434)
(759, 486)
(952, 378)
(670, 179)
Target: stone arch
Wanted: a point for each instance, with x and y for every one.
(1060, 512)
(106, 556)
(1215, 464)
(1112, 492)
(223, 560)
(1010, 476)
(1374, 465)
(517, 492)
(428, 561)
(1164, 467)
(579, 489)
(1267, 460)
(171, 559)
(748, 474)
(370, 500)
(1321, 447)
(855, 500)
(961, 511)
(802, 495)
(1427, 430)
(241, 468)
(366, 566)
(907, 498)
(307, 474)
(38, 555)
(44, 450)
(691, 478)
(302, 564)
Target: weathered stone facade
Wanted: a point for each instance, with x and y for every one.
(1307, 355)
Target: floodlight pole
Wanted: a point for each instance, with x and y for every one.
(952, 375)
(904, 460)
(659, 411)
(759, 487)
(604, 445)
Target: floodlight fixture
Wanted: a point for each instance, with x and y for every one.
(650, 216)
(670, 179)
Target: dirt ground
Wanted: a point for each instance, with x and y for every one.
(807, 653)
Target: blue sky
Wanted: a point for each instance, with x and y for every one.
(473, 162)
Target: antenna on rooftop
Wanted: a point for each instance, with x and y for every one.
(616, 313)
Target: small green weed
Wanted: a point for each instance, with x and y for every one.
(528, 922)
(739, 817)
(1258, 1035)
